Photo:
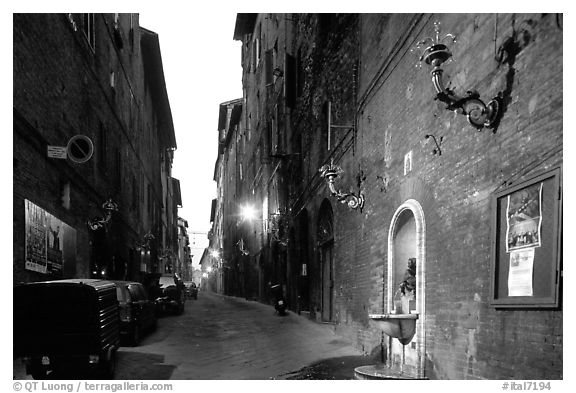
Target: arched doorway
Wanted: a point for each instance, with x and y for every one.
(326, 249)
(407, 241)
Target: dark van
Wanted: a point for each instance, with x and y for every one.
(137, 311)
(67, 324)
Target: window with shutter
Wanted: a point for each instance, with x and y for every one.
(134, 193)
(255, 54)
(118, 168)
(274, 143)
(102, 147)
(253, 57)
(299, 74)
(269, 64)
(290, 82)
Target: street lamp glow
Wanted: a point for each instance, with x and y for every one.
(248, 212)
(209, 269)
(215, 253)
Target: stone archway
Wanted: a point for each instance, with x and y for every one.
(407, 235)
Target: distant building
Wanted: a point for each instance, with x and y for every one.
(184, 259)
(198, 242)
(228, 175)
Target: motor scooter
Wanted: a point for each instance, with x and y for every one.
(279, 302)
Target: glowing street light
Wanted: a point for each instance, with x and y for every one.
(209, 269)
(215, 253)
(248, 213)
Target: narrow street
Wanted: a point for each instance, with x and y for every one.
(220, 338)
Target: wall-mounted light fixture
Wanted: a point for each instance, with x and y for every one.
(354, 200)
(98, 222)
(240, 245)
(215, 253)
(436, 150)
(436, 53)
(247, 213)
(277, 72)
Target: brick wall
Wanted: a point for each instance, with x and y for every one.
(455, 189)
(363, 64)
(62, 88)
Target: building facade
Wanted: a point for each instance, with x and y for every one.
(93, 143)
(184, 264)
(224, 259)
(385, 179)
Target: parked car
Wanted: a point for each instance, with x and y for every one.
(191, 290)
(172, 295)
(67, 324)
(137, 311)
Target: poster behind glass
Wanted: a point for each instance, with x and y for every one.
(49, 241)
(524, 218)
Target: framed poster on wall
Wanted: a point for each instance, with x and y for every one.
(49, 242)
(527, 243)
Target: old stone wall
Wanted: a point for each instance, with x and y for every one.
(63, 86)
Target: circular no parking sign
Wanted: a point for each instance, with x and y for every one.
(80, 148)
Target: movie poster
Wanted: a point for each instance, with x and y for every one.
(524, 218)
(55, 229)
(49, 241)
(36, 237)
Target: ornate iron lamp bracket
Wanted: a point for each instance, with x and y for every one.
(96, 223)
(354, 200)
(436, 150)
(478, 113)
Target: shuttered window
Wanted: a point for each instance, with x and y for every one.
(269, 64)
(290, 81)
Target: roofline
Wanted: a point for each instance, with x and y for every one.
(244, 25)
(152, 60)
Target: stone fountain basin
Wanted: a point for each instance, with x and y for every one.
(400, 326)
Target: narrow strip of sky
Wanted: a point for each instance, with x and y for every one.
(202, 69)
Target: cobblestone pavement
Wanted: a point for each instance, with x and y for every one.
(220, 337)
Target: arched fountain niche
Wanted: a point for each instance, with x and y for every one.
(403, 320)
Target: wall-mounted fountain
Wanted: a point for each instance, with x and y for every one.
(402, 321)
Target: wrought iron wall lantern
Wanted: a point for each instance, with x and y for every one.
(354, 200)
(478, 113)
(243, 251)
(216, 253)
(99, 222)
(437, 149)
